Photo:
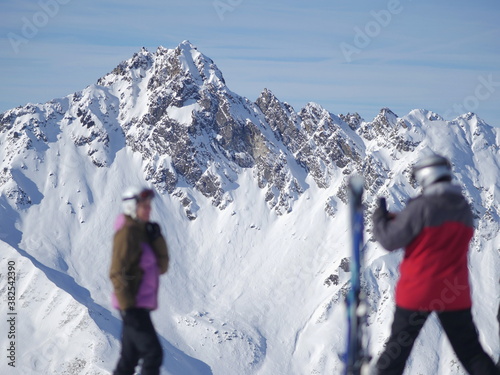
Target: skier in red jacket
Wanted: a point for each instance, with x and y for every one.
(435, 230)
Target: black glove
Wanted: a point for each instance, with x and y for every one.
(153, 231)
(382, 204)
(382, 211)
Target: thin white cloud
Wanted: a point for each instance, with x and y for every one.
(422, 55)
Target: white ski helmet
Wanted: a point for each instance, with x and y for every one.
(430, 169)
(131, 196)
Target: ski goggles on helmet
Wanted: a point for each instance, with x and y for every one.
(142, 195)
(433, 161)
(145, 194)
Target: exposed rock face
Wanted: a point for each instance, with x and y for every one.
(174, 109)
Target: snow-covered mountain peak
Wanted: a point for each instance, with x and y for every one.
(423, 115)
(183, 64)
(386, 119)
(201, 68)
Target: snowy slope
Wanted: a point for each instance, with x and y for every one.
(252, 201)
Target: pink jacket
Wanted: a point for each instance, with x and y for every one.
(147, 294)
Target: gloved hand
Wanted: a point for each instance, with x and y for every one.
(153, 231)
(382, 210)
(382, 205)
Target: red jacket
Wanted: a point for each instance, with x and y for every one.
(435, 229)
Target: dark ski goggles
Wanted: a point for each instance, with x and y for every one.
(145, 194)
(433, 161)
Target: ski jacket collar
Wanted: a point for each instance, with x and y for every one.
(442, 188)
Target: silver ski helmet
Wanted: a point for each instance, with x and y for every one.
(431, 169)
(131, 196)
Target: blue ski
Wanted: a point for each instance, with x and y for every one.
(356, 358)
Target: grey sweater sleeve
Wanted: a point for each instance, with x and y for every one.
(398, 231)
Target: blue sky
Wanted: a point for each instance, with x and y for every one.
(348, 56)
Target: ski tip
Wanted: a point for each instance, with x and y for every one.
(356, 183)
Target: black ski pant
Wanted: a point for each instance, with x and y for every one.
(139, 341)
(458, 326)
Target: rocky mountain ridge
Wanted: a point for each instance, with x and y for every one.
(174, 109)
